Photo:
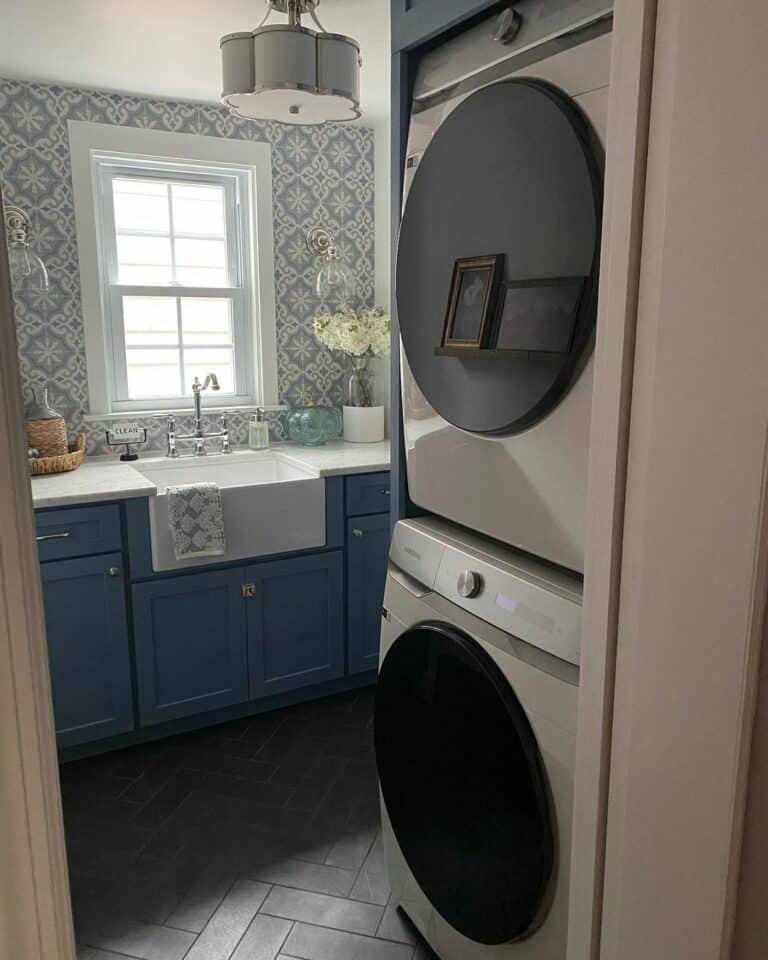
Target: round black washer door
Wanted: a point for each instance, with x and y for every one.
(515, 169)
(464, 784)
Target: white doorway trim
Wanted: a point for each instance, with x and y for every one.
(693, 579)
(632, 44)
(35, 914)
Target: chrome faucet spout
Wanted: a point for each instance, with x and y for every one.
(199, 434)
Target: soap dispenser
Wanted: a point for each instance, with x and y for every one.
(258, 431)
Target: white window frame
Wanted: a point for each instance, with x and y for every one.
(95, 147)
(236, 184)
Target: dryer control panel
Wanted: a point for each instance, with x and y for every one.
(528, 599)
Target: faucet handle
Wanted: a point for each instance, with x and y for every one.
(225, 445)
(170, 419)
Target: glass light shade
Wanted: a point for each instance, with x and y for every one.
(27, 270)
(335, 281)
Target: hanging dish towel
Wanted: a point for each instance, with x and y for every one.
(196, 518)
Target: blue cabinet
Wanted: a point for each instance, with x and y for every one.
(190, 639)
(417, 21)
(87, 630)
(295, 622)
(368, 493)
(78, 532)
(367, 551)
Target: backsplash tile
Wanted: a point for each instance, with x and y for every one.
(321, 176)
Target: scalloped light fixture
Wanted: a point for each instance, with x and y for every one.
(290, 73)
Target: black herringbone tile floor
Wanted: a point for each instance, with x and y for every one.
(254, 840)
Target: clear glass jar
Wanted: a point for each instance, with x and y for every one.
(361, 386)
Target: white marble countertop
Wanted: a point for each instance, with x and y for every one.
(338, 457)
(97, 479)
(106, 478)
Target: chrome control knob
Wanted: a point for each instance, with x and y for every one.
(469, 584)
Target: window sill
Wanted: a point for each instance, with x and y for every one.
(182, 411)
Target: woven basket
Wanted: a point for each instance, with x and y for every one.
(68, 461)
(48, 437)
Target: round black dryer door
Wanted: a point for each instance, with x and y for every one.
(515, 173)
(464, 784)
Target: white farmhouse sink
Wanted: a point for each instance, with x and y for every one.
(270, 505)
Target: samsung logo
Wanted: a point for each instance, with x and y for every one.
(412, 553)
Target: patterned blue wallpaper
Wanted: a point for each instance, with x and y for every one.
(321, 176)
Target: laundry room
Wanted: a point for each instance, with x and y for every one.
(383, 567)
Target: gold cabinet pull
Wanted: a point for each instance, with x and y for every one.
(248, 590)
(357, 532)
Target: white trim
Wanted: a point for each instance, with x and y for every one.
(236, 183)
(182, 411)
(693, 578)
(35, 915)
(87, 139)
(629, 95)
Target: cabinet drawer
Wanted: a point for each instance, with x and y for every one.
(78, 532)
(367, 493)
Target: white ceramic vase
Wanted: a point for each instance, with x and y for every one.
(363, 424)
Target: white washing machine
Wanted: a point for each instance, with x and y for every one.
(475, 727)
(505, 160)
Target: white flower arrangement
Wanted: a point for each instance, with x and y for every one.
(358, 333)
(361, 335)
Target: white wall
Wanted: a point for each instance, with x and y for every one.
(692, 594)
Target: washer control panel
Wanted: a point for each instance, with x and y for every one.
(520, 595)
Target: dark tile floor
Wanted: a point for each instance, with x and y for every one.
(252, 841)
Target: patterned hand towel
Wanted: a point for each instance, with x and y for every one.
(196, 518)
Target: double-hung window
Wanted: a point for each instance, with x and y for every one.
(176, 282)
(173, 244)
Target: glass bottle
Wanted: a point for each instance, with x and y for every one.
(361, 384)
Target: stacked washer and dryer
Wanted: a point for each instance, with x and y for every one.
(476, 705)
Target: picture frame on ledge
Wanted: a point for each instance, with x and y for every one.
(538, 315)
(472, 303)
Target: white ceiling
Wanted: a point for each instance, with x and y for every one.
(169, 48)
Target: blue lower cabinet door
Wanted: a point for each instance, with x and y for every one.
(367, 552)
(295, 622)
(87, 631)
(190, 640)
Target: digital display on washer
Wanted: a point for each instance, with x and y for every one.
(539, 315)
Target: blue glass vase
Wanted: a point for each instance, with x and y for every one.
(312, 426)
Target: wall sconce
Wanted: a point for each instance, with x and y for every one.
(27, 269)
(335, 280)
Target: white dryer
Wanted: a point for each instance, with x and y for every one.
(505, 159)
(475, 727)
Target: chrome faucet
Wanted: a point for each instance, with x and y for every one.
(197, 388)
(199, 435)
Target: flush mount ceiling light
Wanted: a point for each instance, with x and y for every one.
(290, 73)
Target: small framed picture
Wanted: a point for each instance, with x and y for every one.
(539, 316)
(472, 302)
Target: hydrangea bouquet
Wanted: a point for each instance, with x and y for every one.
(361, 335)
